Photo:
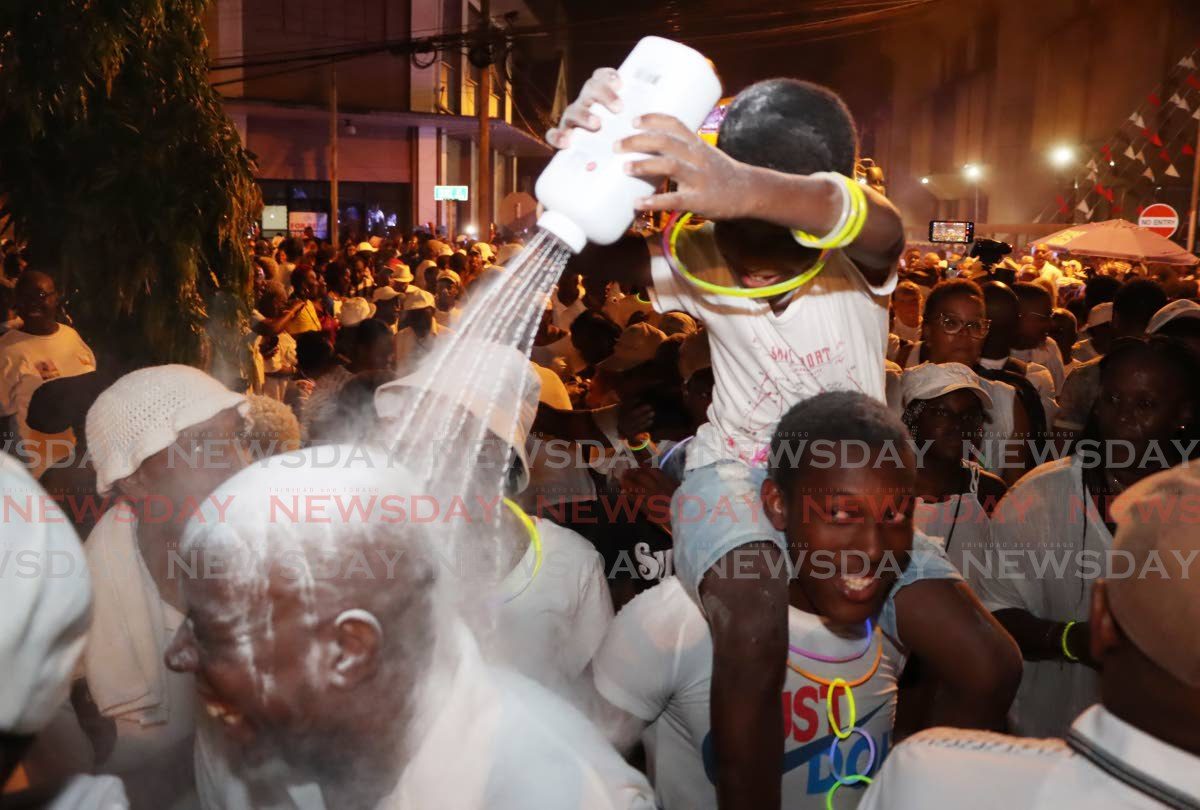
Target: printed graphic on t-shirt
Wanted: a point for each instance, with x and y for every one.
(822, 758)
(47, 369)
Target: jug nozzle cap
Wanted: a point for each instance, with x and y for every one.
(567, 231)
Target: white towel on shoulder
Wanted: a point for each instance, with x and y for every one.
(124, 667)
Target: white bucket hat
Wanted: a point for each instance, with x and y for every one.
(355, 311)
(144, 412)
(509, 417)
(930, 380)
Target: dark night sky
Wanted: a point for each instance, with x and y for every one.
(735, 36)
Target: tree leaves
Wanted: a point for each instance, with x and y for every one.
(123, 172)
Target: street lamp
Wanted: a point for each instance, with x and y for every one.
(973, 173)
(470, 230)
(1061, 157)
(924, 181)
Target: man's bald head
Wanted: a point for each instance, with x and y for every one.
(313, 603)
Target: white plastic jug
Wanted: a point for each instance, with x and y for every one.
(585, 190)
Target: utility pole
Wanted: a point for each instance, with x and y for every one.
(484, 104)
(1194, 210)
(333, 156)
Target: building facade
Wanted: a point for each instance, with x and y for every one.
(405, 122)
(1000, 85)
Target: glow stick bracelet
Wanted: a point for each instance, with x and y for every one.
(833, 724)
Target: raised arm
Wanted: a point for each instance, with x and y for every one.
(714, 185)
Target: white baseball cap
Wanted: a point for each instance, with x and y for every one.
(930, 380)
(385, 294)
(1101, 313)
(1183, 308)
(450, 275)
(144, 412)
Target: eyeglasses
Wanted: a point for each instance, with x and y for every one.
(952, 325)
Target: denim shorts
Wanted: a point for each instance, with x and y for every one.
(718, 508)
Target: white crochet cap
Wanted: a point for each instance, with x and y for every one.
(144, 412)
(45, 604)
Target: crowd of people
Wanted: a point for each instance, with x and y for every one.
(886, 500)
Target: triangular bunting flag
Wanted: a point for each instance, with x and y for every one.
(1187, 62)
(1196, 114)
(1149, 175)
(1154, 99)
(1170, 172)
(1129, 153)
(1087, 212)
(1106, 150)
(1115, 211)
(1137, 121)
(1194, 81)
(1188, 150)
(1165, 155)
(1152, 137)
(1180, 103)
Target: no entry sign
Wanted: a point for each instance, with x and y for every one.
(1160, 218)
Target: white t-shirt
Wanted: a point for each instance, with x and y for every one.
(411, 349)
(565, 315)
(551, 630)
(448, 318)
(832, 336)
(656, 664)
(997, 449)
(561, 348)
(1083, 351)
(498, 741)
(945, 767)
(1040, 378)
(1047, 355)
(27, 361)
(1039, 523)
(85, 792)
(902, 330)
(959, 524)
